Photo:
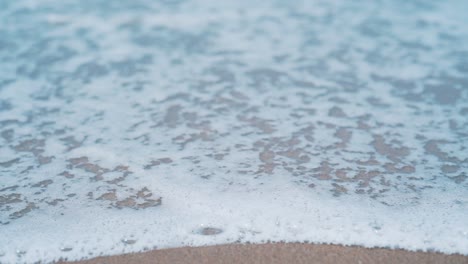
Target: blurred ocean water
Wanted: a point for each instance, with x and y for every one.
(131, 125)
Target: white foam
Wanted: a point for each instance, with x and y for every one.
(127, 126)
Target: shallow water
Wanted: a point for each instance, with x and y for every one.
(130, 125)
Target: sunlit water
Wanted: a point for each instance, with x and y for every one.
(132, 125)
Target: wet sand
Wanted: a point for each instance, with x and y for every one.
(277, 253)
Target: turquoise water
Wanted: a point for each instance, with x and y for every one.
(132, 125)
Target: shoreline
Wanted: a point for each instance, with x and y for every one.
(276, 253)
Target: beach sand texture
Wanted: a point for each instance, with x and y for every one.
(279, 253)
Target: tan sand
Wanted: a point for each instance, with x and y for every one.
(277, 253)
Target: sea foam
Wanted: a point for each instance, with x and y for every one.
(132, 125)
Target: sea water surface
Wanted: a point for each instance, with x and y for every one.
(137, 124)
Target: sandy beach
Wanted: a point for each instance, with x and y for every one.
(277, 253)
(137, 126)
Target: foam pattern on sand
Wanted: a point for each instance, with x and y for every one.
(130, 125)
